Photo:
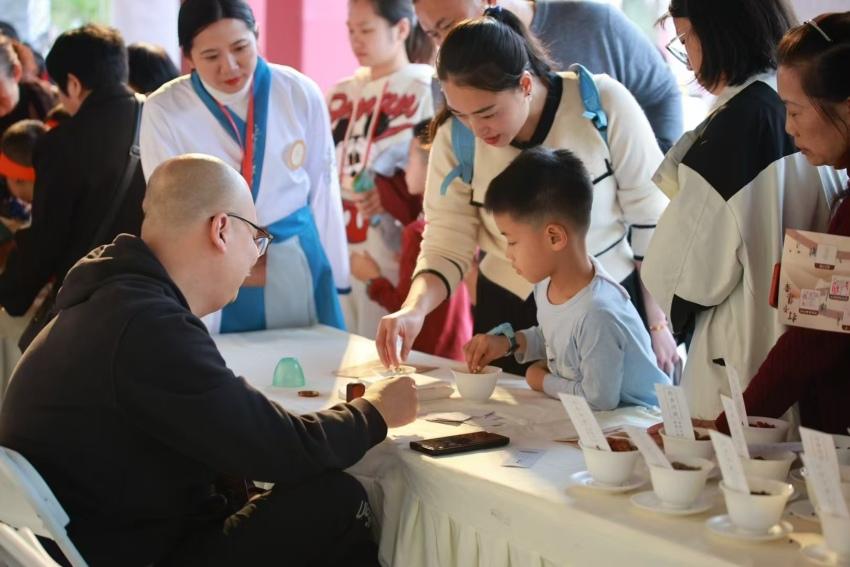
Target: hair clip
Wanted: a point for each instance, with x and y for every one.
(817, 28)
(494, 11)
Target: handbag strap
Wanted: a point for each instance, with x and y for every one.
(120, 193)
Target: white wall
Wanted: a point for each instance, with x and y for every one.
(153, 21)
(30, 17)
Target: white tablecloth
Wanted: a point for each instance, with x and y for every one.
(466, 510)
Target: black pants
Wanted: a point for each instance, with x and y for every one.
(495, 305)
(324, 521)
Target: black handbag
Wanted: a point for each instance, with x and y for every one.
(45, 311)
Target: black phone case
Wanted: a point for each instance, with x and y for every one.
(459, 443)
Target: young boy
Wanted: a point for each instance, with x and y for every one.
(590, 340)
(16, 149)
(448, 327)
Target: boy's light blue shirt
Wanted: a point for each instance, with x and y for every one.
(595, 346)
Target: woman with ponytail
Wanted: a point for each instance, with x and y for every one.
(499, 84)
(372, 116)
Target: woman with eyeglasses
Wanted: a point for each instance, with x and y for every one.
(271, 124)
(736, 183)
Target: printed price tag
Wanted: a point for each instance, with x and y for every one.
(674, 410)
(589, 432)
(737, 394)
(730, 464)
(650, 451)
(735, 427)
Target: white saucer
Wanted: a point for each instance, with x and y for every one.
(583, 478)
(803, 510)
(820, 555)
(649, 501)
(722, 525)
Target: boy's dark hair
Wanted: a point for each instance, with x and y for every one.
(196, 15)
(19, 140)
(150, 67)
(738, 37)
(823, 64)
(542, 184)
(95, 54)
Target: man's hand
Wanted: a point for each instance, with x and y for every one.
(535, 375)
(395, 399)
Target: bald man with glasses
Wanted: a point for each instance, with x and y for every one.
(125, 406)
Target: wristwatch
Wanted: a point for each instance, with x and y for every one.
(506, 330)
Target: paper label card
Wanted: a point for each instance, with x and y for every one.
(523, 458)
(736, 428)
(821, 446)
(826, 485)
(737, 393)
(730, 463)
(649, 449)
(589, 432)
(674, 410)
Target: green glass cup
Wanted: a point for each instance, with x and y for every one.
(288, 373)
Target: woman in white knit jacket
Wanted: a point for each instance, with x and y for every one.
(498, 83)
(737, 182)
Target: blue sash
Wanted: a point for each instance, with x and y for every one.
(248, 312)
(253, 148)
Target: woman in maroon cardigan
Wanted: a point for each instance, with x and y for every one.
(808, 366)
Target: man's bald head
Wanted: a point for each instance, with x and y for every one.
(193, 187)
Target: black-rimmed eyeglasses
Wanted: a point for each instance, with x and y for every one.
(263, 237)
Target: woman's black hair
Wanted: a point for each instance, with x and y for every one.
(819, 51)
(417, 43)
(738, 37)
(150, 67)
(196, 15)
(490, 53)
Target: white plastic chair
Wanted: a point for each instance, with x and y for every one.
(22, 548)
(28, 504)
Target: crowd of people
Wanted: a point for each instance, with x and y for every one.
(503, 182)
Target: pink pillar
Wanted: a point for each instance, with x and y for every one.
(308, 35)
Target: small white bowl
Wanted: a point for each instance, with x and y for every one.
(610, 467)
(836, 532)
(775, 466)
(680, 488)
(678, 447)
(479, 386)
(765, 435)
(757, 514)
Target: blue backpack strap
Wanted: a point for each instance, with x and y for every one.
(463, 145)
(591, 100)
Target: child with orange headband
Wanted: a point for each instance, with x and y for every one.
(16, 150)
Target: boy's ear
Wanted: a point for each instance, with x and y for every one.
(556, 236)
